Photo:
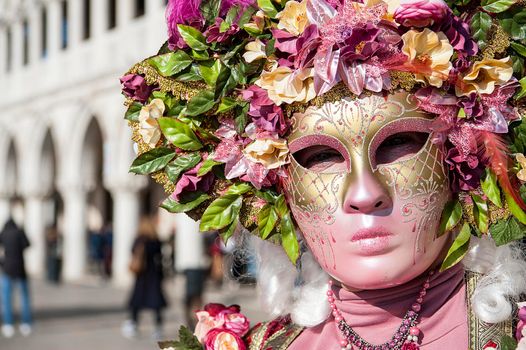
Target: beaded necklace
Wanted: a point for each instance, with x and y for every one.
(405, 338)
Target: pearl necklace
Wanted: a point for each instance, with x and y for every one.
(405, 338)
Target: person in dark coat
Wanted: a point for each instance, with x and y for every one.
(14, 241)
(147, 292)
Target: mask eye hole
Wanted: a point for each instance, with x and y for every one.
(400, 146)
(321, 159)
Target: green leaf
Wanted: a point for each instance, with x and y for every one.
(152, 161)
(227, 104)
(513, 22)
(192, 74)
(458, 249)
(490, 188)
(193, 37)
(241, 118)
(201, 103)
(270, 47)
(497, 6)
(506, 231)
(182, 164)
(515, 208)
(175, 207)
(508, 343)
(221, 213)
(229, 232)
(210, 71)
(179, 134)
(480, 211)
(171, 63)
(480, 26)
(239, 188)
(268, 7)
(200, 55)
(207, 167)
(246, 16)
(132, 114)
(522, 93)
(187, 341)
(267, 219)
(222, 86)
(268, 195)
(210, 10)
(289, 241)
(518, 65)
(519, 48)
(451, 216)
(281, 206)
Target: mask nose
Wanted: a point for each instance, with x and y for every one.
(365, 195)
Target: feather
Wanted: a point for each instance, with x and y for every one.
(495, 154)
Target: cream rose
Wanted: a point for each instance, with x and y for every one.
(149, 127)
(286, 86)
(429, 55)
(255, 51)
(484, 76)
(293, 18)
(272, 153)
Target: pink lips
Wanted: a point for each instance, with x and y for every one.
(372, 240)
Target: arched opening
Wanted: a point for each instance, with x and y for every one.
(12, 202)
(99, 211)
(53, 210)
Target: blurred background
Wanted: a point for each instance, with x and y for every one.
(65, 150)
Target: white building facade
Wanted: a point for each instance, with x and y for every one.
(65, 148)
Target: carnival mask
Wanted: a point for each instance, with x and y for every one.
(367, 187)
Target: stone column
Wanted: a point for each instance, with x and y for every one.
(74, 22)
(34, 226)
(35, 35)
(125, 222)
(74, 234)
(54, 30)
(3, 51)
(17, 44)
(99, 17)
(153, 7)
(124, 12)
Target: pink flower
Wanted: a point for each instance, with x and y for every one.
(223, 339)
(235, 322)
(521, 326)
(421, 13)
(205, 323)
(215, 309)
(190, 182)
(265, 114)
(134, 86)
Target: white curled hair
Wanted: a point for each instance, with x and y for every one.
(301, 292)
(503, 281)
(286, 290)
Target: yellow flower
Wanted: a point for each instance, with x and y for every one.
(429, 55)
(484, 76)
(272, 153)
(149, 127)
(293, 18)
(286, 86)
(255, 51)
(522, 161)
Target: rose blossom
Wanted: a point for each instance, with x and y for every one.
(235, 321)
(205, 323)
(271, 153)
(215, 309)
(421, 13)
(134, 86)
(190, 182)
(223, 339)
(484, 76)
(287, 86)
(293, 18)
(148, 125)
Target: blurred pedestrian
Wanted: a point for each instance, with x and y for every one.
(147, 291)
(192, 260)
(53, 254)
(14, 241)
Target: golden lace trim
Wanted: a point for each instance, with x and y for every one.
(481, 332)
(280, 340)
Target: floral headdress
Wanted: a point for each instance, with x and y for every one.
(211, 111)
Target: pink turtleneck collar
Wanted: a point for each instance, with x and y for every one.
(375, 315)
